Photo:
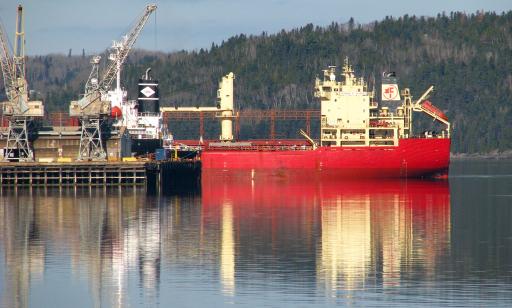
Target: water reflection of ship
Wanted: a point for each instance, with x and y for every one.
(330, 234)
(382, 234)
(371, 231)
(124, 236)
(106, 234)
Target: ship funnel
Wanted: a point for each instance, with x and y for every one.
(390, 90)
(148, 95)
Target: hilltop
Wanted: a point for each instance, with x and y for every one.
(467, 57)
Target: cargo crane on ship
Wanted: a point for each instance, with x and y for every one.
(95, 107)
(424, 105)
(224, 109)
(18, 109)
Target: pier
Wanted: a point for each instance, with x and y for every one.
(182, 175)
(157, 174)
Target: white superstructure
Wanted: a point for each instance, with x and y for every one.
(140, 125)
(350, 115)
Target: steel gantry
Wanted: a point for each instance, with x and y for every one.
(93, 108)
(18, 109)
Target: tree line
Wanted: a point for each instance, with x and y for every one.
(468, 57)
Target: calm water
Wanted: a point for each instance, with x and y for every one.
(257, 240)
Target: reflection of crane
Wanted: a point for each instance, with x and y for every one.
(18, 108)
(93, 108)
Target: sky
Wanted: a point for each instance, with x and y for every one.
(55, 26)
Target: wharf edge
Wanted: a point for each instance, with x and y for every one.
(152, 174)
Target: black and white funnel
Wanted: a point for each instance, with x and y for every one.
(148, 95)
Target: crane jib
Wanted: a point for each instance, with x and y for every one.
(7, 64)
(122, 48)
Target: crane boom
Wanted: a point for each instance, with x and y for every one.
(13, 69)
(123, 47)
(19, 110)
(19, 47)
(121, 50)
(95, 106)
(7, 64)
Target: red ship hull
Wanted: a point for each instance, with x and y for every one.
(414, 157)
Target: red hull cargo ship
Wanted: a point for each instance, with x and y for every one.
(360, 137)
(410, 158)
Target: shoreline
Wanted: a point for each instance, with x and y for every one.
(495, 155)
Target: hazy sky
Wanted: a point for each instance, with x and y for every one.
(55, 26)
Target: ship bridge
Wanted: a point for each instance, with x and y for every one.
(351, 116)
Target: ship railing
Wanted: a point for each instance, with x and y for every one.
(262, 148)
(431, 135)
(56, 119)
(60, 119)
(148, 114)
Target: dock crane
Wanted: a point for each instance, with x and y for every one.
(18, 108)
(95, 107)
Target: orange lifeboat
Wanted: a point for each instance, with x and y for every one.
(427, 105)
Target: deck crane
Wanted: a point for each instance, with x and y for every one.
(95, 107)
(423, 105)
(18, 108)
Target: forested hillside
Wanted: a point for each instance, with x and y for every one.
(467, 57)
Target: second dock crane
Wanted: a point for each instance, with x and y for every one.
(93, 108)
